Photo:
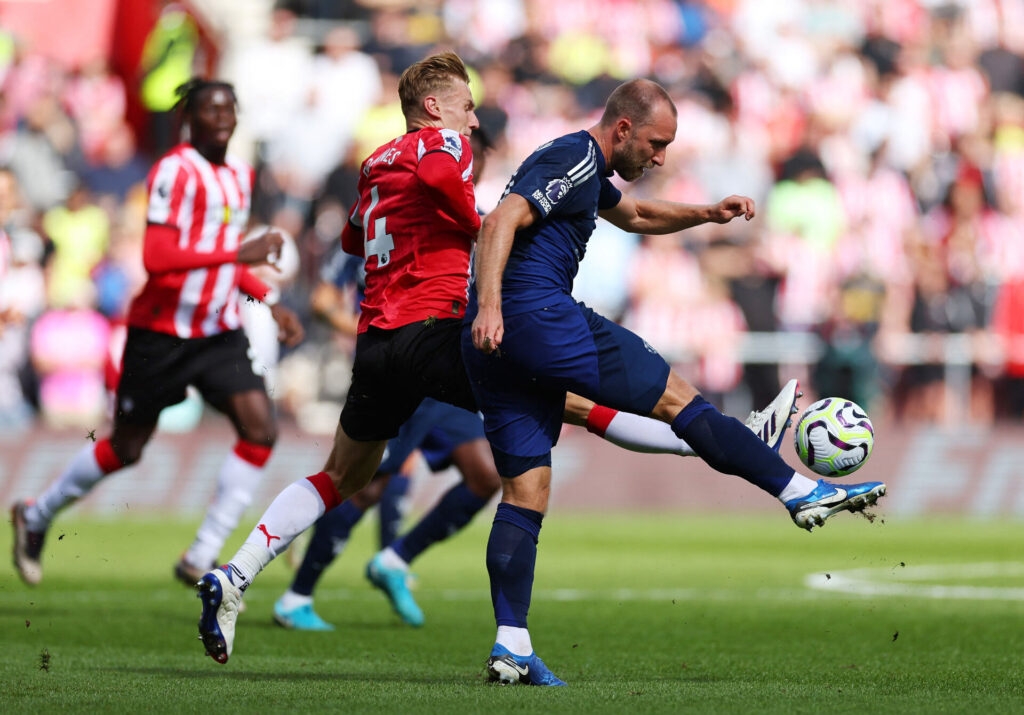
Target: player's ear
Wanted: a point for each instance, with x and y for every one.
(432, 107)
(623, 128)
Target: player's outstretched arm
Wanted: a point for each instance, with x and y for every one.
(492, 249)
(650, 216)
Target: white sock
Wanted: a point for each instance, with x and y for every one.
(77, 480)
(236, 484)
(295, 509)
(799, 486)
(636, 433)
(389, 559)
(517, 640)
(291, 600)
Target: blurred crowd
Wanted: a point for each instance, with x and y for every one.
(883, 141)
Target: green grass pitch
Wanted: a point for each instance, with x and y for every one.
(641, 613)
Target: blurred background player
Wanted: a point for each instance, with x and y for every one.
(185, 329)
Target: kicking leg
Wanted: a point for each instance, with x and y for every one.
(643, 434)
(729, 447)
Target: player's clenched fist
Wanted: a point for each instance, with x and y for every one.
(263, 249)
(731, 207)
(488, 329)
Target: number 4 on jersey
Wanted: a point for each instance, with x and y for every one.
(382, 243)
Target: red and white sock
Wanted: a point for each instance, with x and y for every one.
(89, 466)
(239, 477)
(636, 433)
(295, 509)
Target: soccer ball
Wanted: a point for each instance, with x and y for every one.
(285, 266)
(834, 437)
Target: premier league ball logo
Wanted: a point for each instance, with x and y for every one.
(556, 190)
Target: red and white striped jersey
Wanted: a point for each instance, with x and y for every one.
(207, 206)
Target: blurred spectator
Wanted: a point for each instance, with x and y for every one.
(119, 168)
(848, 365)
(166, 63)
(80, 232)
(95, 100)
(69, 351)
(271, 78)
(882, 141)
(805, 217)
(22, 298)
(38, 153)
(343, 84)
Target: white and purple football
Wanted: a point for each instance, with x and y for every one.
(834, 437)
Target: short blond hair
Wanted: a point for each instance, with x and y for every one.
(429, 75)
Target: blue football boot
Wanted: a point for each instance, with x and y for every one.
(505, 668)
(302, 618)
(393, 582)
(828, 499)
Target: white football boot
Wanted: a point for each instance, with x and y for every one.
(221, 599)
(770, 423)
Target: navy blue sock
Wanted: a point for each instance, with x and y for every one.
(329, 537)
(728, 446)
(453, 512)
(511, 557)
(390, 508)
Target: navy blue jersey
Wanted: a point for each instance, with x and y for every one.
(343, 270)
(435, 427)
(565, 180)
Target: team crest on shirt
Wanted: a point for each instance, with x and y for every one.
(544, 203)
(556, 190)
(452, 143)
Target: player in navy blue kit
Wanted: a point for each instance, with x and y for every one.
(526, 343)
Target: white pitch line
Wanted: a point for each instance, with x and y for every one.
(900, 581)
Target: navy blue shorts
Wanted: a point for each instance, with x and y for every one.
(544, 354)
(435, 428)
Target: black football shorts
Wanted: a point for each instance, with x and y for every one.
(395, 369)
(157, 368)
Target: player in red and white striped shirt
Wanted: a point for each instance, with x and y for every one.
(184, 329)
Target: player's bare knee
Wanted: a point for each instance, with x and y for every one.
(678, 394)
(529, 490)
